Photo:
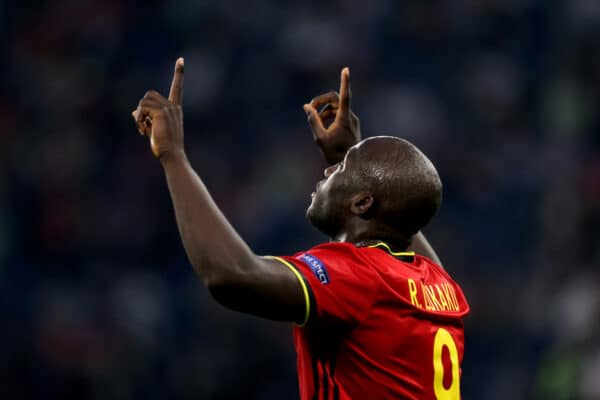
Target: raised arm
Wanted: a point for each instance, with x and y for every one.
(334, 126)
(421, 245)
(235, 276)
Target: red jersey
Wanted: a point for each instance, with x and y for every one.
(379, 325)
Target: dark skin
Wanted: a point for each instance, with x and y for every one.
(335, 129)
(235, 276)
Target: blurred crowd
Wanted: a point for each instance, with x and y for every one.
(97, 300)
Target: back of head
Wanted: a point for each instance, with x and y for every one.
(405, 185)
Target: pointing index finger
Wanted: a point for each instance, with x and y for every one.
(345, 95)
(176, 92)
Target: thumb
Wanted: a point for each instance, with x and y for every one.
(314, 121)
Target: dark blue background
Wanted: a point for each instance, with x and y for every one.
(97, 300)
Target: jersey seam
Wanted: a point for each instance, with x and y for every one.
(303, 284)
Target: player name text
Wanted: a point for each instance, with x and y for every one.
(435, 297)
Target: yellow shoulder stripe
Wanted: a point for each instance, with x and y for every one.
(302, 283)
(397, 253)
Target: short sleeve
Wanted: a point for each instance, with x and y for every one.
(342, 286)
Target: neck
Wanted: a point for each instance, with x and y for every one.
(369, 234)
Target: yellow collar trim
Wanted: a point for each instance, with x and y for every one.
(397, 253)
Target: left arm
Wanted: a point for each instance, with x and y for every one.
(343, 132)
(420, 245)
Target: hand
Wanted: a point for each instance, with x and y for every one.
(344, 131)
(162, 119)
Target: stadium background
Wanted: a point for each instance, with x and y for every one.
(97, 300)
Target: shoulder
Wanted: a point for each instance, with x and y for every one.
(335, 253)
(332, 251)
(429, 264)
(338, 247)
(339, 259)
(343, 285)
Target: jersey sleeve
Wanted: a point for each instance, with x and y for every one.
(340, 287)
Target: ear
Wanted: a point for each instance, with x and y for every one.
(361, 203)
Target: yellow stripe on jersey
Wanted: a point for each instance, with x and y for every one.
(397, 253)
(302, 283)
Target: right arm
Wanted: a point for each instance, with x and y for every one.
(235, 276)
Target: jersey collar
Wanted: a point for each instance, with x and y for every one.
(403, 255)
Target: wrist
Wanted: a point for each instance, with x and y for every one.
(173, 157)
(333, 157)
(335, 153)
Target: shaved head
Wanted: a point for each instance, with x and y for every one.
(405, 184)
(386, 184)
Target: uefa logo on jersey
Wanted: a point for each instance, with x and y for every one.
(317, 266)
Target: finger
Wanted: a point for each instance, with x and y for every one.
(176, 92)
(148, 104)
(149, 113)
(154, 95)
(148, 125)
(142, 112)
(143, 121)
(345, 93)
(135, 114)
(313, 119)
(326, 98)
(328, 108)
(327, 112)
(154, 102)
